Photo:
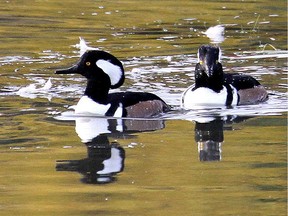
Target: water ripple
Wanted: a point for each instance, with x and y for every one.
(166, 76)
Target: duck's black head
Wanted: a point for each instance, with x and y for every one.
(98, 66)
(208, 70)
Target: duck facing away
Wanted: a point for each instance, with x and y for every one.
(104, 72)
(214, 88)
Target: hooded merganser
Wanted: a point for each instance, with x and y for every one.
(103, 72)
(213, 87)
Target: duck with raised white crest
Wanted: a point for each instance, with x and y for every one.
(214, 88)
(104, 72)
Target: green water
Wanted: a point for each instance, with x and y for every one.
(165, 167)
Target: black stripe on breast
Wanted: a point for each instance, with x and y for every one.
(111, 111)
(229, 98)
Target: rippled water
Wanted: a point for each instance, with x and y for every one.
(56, 163)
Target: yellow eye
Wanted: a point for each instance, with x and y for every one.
(88, 63)
(201, 62)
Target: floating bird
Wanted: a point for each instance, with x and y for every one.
(213, 87)
(104, 72)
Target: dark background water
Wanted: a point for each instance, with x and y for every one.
(159, 167)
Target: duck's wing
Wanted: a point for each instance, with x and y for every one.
(240, 81)
(139, 104)
(250, 91)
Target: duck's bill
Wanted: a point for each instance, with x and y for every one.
(71, 70)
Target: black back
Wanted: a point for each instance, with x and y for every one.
(131, 98)
(240, 81)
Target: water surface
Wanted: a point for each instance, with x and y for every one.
(198, 162)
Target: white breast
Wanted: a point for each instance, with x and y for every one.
(205, 97)
(87, 106)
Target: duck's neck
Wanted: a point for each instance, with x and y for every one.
(97, 91)
(214, 82)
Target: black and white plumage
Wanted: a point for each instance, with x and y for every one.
(213, 87)
(104, 72)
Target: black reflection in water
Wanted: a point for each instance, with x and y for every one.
(209, 136)
(105, 159)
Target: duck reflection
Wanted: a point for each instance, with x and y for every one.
(105, 159)
(209, 135)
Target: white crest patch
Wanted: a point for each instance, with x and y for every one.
(113, 71)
